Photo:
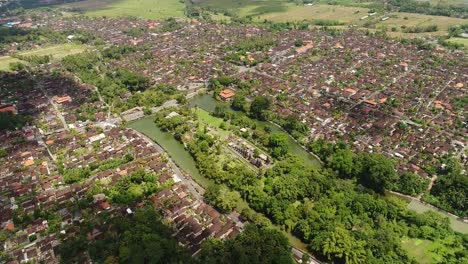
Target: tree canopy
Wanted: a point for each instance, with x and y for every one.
(254, 245)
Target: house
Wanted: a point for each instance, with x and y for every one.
(104, 205)
(370, 103)
(9, 226)
(226, 94)
(306, 47)
(348, 92)
(62, 99)
(8, 108)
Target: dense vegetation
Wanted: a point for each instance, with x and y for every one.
(339, 211)
(142, 238)
(121, 88)
(134, 188)
(450, 190)
(37, 36)
(10, 121)
(425, 7)
(254, 245)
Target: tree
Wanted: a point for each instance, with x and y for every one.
(239, 102)
(278, 142)
(3, 153)
(76, 175)
(220, 111)
(259, 106)
(17, 66)
(377, 171)
(411, 184)
(142, 238)
(222, 198)
(10, 121)
(254, 245)
(131, 80)
(295, 127)
(342, 161)
(181, 99)
(339, 244)
(450, 189)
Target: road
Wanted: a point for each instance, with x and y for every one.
(54, 105)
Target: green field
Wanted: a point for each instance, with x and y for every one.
(149, 9)
(206, 118)
(246, 7)
(418, 249)
(399, 20)
(56, 51)
(347, 14)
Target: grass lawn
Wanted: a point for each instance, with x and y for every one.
(206, 118)
(344, 14)
(57, 52)
(149, 9)
(418, 249)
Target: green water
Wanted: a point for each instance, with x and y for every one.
(174, 148)
(208, 103)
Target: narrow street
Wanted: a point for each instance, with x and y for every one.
(57, 111)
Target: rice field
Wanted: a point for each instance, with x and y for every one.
(149, 9)
(56, 51)
(346, 14)
(412, 20)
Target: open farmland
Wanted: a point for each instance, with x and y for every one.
(344, 14)
(149, 9)
(408, 20)
(57, 52)
(246, 7)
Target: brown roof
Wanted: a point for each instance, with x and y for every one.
(8, 108)
(226, 94)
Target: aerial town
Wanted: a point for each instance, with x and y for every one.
(189, 140)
